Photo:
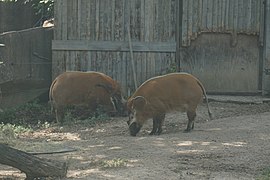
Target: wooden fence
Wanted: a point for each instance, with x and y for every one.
(17, 15)
(26, 69)
(223, 43)
(96, 36)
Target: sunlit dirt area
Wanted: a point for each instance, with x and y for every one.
(234, 145)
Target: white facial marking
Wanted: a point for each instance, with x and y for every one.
(114, 107)
(132, 116)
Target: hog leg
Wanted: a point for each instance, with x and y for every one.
(59, 112)
(157, 124)
(191, 117)
(161, 122)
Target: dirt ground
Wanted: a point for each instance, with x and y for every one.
(234, 145)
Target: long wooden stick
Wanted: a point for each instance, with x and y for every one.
(132, 59)
(53, 152)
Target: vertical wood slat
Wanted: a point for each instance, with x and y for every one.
(151, 58)
(113, 19)
(58, 20)
(83, 19)
(58, 36)
(79, 19)
(73, 29)
(92, 20)
(248, 14)
(97, 21)
(63, 20)
(261, 28)
(190, 21)
(219, 15)
(195, 21)
(214, 16)
(266, 49)
(223, 15)
(240, 16)
(204, 14)
(235, 15)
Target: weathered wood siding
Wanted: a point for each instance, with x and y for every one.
(221, 16)
(219, 41)
(92, 35)
(222, 67)
(26, 69)
(266, 51)
(17, 15)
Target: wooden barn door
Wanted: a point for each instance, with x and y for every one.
(220, 44)
(222, 67)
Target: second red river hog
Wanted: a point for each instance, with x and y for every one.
(89, 89)
(162, 94)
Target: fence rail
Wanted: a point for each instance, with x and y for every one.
(84, 45)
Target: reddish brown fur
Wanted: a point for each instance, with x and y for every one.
(162, 94)
(82, 88)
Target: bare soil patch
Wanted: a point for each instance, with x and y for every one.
(235, 145)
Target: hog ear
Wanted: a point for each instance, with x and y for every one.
(107, 87)
(139, 102)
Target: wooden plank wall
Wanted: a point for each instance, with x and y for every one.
(221, 16)
(221, 36)
(17, 15)
(266, 51)
(92, 35)
(26, 69)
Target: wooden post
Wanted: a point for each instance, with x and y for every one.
(32, 166)
(266, 50)
(132, 59)
(178, 36)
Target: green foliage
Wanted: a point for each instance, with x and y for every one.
(265, 174)
(38, 115)
(100, 115)
(32, 113)
(172, 68)
(69, 117)
(13, 128)
(78, 115)
(43, 7)
(9, 132)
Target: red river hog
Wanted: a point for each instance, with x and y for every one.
(89, 89)
(162, 94)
